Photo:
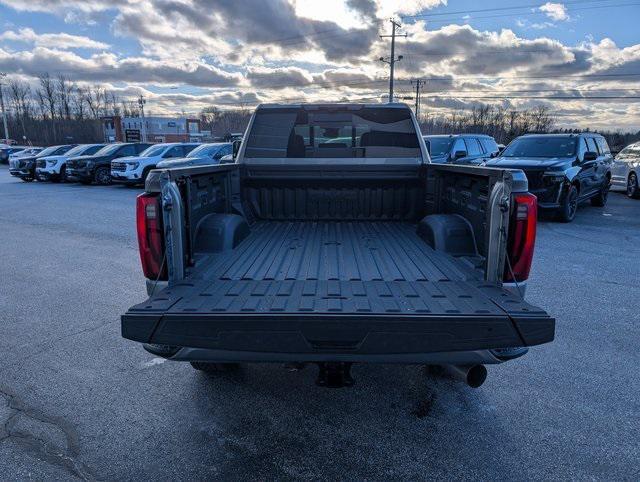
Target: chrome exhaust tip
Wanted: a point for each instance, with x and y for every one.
(473, 375)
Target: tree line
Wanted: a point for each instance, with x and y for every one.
(506, 124)
(56, 110)
(500, 123)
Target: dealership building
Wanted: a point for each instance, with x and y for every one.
(152, 129)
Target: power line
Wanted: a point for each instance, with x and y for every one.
(521, 14)
(331, 83)
(498, 9)
(541, 90)
(552, 97)
(541, 76)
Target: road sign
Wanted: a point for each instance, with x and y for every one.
(132, 135)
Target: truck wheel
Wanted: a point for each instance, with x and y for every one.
(102, 176)
(567, 211)
(600, 200)
(209, 367)
(632, 186)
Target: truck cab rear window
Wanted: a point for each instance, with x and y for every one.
(335, 133)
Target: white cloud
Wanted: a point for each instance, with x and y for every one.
(59, 7)
(107, 67)
(555, 11)
(53, 40)
(388, 8)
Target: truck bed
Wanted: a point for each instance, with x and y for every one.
(367, 287)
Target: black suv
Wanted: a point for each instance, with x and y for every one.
(461, 148)
(97, 167)
(25, 167)
(563, 169)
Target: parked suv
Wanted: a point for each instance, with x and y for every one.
(203, 155)
(28, 152)
(54, 168)
(461, 148)
(626, 170)
(563, 169)
(25, 167)
(134, 170)
(6, 151)
(97, 168)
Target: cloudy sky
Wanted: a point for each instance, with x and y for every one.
(188, 54)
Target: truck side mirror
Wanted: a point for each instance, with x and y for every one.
(460, 154)
(590, 156)
(236, 147)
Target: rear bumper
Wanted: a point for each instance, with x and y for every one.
(475, 357)
(377, 338)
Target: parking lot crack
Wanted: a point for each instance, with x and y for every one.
(32, 429)
(48, 344)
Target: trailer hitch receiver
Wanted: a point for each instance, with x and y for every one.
(334, 375)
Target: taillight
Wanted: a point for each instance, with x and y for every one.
(151, 236)
(522, 237)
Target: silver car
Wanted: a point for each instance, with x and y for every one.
(625, 171)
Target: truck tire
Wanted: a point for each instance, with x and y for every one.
(102, 176)
(633, 191)
(209, 367)
(600, 199)
(567, 211)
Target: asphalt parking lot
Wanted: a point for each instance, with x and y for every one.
(78, 401)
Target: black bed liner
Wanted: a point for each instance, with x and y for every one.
(370, 287)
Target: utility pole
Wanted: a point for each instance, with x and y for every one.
(392, 59)
(141, 103)
(4, 114)
(418, 83)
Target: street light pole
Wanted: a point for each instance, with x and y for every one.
(141, 103)
(4, 114)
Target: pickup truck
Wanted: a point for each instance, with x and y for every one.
(307, 250)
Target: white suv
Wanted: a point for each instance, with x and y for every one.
(54, 168)
(134, 170)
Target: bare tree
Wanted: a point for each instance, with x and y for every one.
(47, 94)
(20, 93)
(111, 103)
(79, 102)
(65, 93)
(541, 119)
(94, 97)
(498, 122)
